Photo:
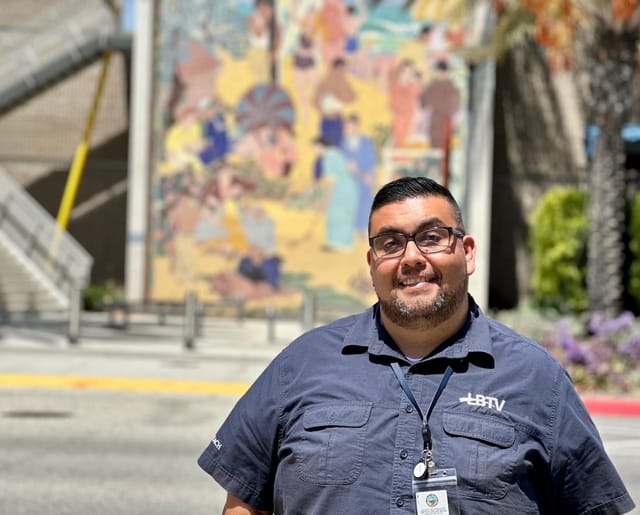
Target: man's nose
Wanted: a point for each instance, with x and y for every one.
(412, 253)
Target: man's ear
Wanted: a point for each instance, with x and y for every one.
(370, 260)
(469, 247)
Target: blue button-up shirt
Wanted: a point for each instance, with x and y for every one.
(327, 428)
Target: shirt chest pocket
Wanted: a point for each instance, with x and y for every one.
(331, 450)
(482, 447)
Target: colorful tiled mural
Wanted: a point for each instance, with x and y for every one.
(275, 122)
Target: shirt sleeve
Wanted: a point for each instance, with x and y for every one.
(243, 453)
(584, 480)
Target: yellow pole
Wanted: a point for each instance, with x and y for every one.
(77, 166)
(80, 156)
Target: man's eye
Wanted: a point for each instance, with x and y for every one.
(430, 238)
(390, 243)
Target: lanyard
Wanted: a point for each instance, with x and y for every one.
(427, 460)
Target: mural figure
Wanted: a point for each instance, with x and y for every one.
(332, 95)
(418, 51)
(183, 142)
(196, 74)
(441, 100)
(331, 17)
(182, 216)
(360, 152)
(210, 232)
(342, 197)
(305, 65)
(258, 270)
(264, 40)
(404, 91)
(260, 263)
(216, 144)
(355, 18)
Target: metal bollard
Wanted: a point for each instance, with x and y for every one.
(271, 324)
(308, 311)
(75, 300)
(190, 322)
(162, 315)
(240, 308)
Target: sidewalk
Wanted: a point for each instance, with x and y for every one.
(150, 354)
(148, 333)
(147, 355)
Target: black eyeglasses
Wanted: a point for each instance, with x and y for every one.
(430, 241)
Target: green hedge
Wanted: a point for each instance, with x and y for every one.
(558, 238)
(559, 234)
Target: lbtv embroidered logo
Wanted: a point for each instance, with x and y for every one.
(483, 400)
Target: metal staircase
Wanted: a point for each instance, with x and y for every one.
(69, 35)
(42, 269)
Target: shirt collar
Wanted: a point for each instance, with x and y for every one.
(368, 334)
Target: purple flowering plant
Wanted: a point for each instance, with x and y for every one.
(601, 356)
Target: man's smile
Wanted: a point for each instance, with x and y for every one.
(416, 282)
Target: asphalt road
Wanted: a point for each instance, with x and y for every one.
(70, 452)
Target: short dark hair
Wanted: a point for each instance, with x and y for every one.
(414, 187)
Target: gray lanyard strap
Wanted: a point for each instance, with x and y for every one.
(426, 432)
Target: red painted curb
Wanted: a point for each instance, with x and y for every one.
(612, 406)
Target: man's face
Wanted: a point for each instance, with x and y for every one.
(419, 290)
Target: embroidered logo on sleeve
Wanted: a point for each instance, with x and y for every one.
(483, 400)
(216, 443)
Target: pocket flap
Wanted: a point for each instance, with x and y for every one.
(337, 415)
(487, 428)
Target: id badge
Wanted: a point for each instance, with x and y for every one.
(435, 494)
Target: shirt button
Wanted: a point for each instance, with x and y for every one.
(400, 502)
(404, 454)
(409, 409)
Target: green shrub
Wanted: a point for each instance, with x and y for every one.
(559, 233)
(97, 296)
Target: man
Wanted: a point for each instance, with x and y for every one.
(421, 404)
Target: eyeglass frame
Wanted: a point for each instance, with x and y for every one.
(412, 237)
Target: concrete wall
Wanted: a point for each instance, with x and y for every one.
(538, 133)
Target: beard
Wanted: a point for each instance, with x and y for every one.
(425, 314)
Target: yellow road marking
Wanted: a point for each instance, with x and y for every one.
(122, 384)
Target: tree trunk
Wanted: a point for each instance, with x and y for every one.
(610, 58)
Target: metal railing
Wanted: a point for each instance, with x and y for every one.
(34, 231)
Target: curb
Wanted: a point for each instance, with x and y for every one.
(612, 406)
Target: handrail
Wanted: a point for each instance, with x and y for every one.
(33, 230)
(59, 34)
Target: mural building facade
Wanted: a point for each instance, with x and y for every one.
(275, 121)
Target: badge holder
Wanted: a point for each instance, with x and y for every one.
(435, 492)
(433, 489)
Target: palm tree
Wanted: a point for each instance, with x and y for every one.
(608, 49)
